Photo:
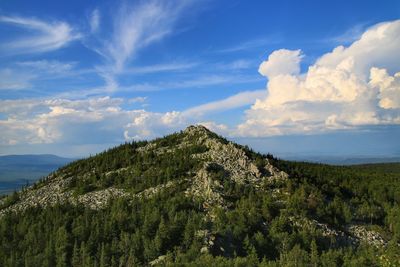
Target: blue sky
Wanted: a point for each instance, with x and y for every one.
(283, 76)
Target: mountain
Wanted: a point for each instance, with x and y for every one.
(195, 199)
(18, 170)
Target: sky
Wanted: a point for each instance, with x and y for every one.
(286, 77)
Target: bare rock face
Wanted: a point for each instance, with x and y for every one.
(325, 230)
(203, 187)
(276, 174)
(235, 163)
(367, 236)
(158, 261)
(98, 199)
(232, 159)
(352, 235)
(207, 190)
(49, 195)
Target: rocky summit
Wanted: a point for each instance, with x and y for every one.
(195, 198)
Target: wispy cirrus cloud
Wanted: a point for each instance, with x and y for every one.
(21, 75)
(44, 36)
(134, 27)
(235, 101)
(137, 26)
(193, 82)
(94, 20)
(48, 66)
(175, 66)
(349, 36)
(12, 80)
(251, 44)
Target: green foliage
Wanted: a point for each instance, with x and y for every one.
(120, 234)
(256, 229)
(9, 200)
(124, 167)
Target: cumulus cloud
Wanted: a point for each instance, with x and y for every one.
(281, 62)
(102, 119)
(88, 121)
(346, 88)
(59, 120)
(388, 86)
(45, 36)
(153, 124)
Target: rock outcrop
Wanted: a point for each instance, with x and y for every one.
(368, 236)
(233, 164)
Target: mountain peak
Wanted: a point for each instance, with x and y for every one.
(197, 128)
(202, 151)
(220, 188)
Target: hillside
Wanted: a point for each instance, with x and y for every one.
(195, 199)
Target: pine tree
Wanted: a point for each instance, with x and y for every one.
(314, 254)
(104, 258)
(50, 259)
(132, 261)
(75, 255)
(61, 247)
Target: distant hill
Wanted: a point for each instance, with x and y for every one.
(18, 170)
(343, 160)
(194, 198)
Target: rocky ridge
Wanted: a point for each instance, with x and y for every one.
(202, 186)
(233, 161)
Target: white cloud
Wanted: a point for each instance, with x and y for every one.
(94, 20)
(153, 124)
(22, 75)
(378, 47)
(251, 44)
(346, 88)
(239, 64)
(168, 67)
(101, 119)
(350, 35)
(139, 99)
(46, 36)
(138, 26)
(281, 62)
(239, 100)
(197, 82)
(88, 121)
(235, 65)
(48, 66)
(60, 120)
(388, 86)
(13, 80)
(135, 26)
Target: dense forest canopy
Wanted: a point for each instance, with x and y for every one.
(307, 219)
